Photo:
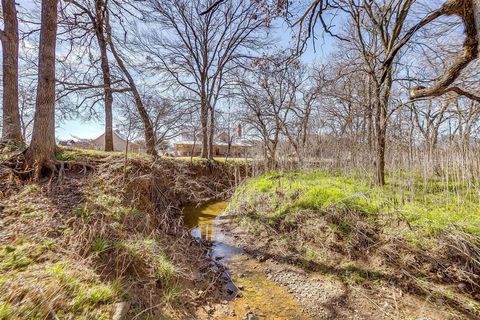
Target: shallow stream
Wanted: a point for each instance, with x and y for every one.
(247, 289)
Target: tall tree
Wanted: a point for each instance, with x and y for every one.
(467, 10)
(100, 31)
(197, 52)
(96, 11)
(148, 130)
(9, 37)
(41, 152)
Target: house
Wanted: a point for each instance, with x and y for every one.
(226, 144)
(220, 149)
(119, 143)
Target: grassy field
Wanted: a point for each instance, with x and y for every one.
(432, 205)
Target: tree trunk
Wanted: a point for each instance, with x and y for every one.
(380, 155)
(382, 100)
(41, 152)
(211, 133)
(11, 116)
(100, 14)
(204, 122)
(147, 123)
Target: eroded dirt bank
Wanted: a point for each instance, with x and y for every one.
(105, 239)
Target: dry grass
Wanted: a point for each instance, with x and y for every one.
(74, 248)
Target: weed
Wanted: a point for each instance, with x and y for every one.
(171, 295)
(164, 268)
(33, 187)
(279, 195)
(100, 245)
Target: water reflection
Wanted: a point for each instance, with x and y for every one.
(201, 219)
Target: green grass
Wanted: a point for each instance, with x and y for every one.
(5, 311)
(21, 255)
(74, 292)
(150, 252)
(84, 291)
(100, 245)
(431, 206)
(103, 200)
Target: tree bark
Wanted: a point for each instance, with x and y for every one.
(41, 153)
(11, 130)
(380, 150)
(100, 17)
(211, 133)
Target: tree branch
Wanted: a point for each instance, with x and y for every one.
(213, 6)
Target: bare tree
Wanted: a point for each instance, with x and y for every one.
(269, 90)
(198, 53)
(147, 123)
(467, 10)
(97, 15)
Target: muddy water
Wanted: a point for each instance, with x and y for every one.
(247, 289)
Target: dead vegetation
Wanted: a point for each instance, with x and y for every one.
(87, 243)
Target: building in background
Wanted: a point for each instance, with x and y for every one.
(119, 143)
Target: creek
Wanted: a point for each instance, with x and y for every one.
(249, 293)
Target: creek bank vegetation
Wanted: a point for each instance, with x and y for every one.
(107, 241)
(423, 241)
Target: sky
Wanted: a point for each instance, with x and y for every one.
(79, 128)
(89, 129)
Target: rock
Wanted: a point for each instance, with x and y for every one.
(262, 258)
(209, 309)
(121, 310)
(250, 315)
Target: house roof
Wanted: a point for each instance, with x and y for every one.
(215, 143)
(101, 139)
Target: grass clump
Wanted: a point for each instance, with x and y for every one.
(102, 201)
(100, 245)
(14, 257)
(148, 254)
(73, 291)
(5, 311)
